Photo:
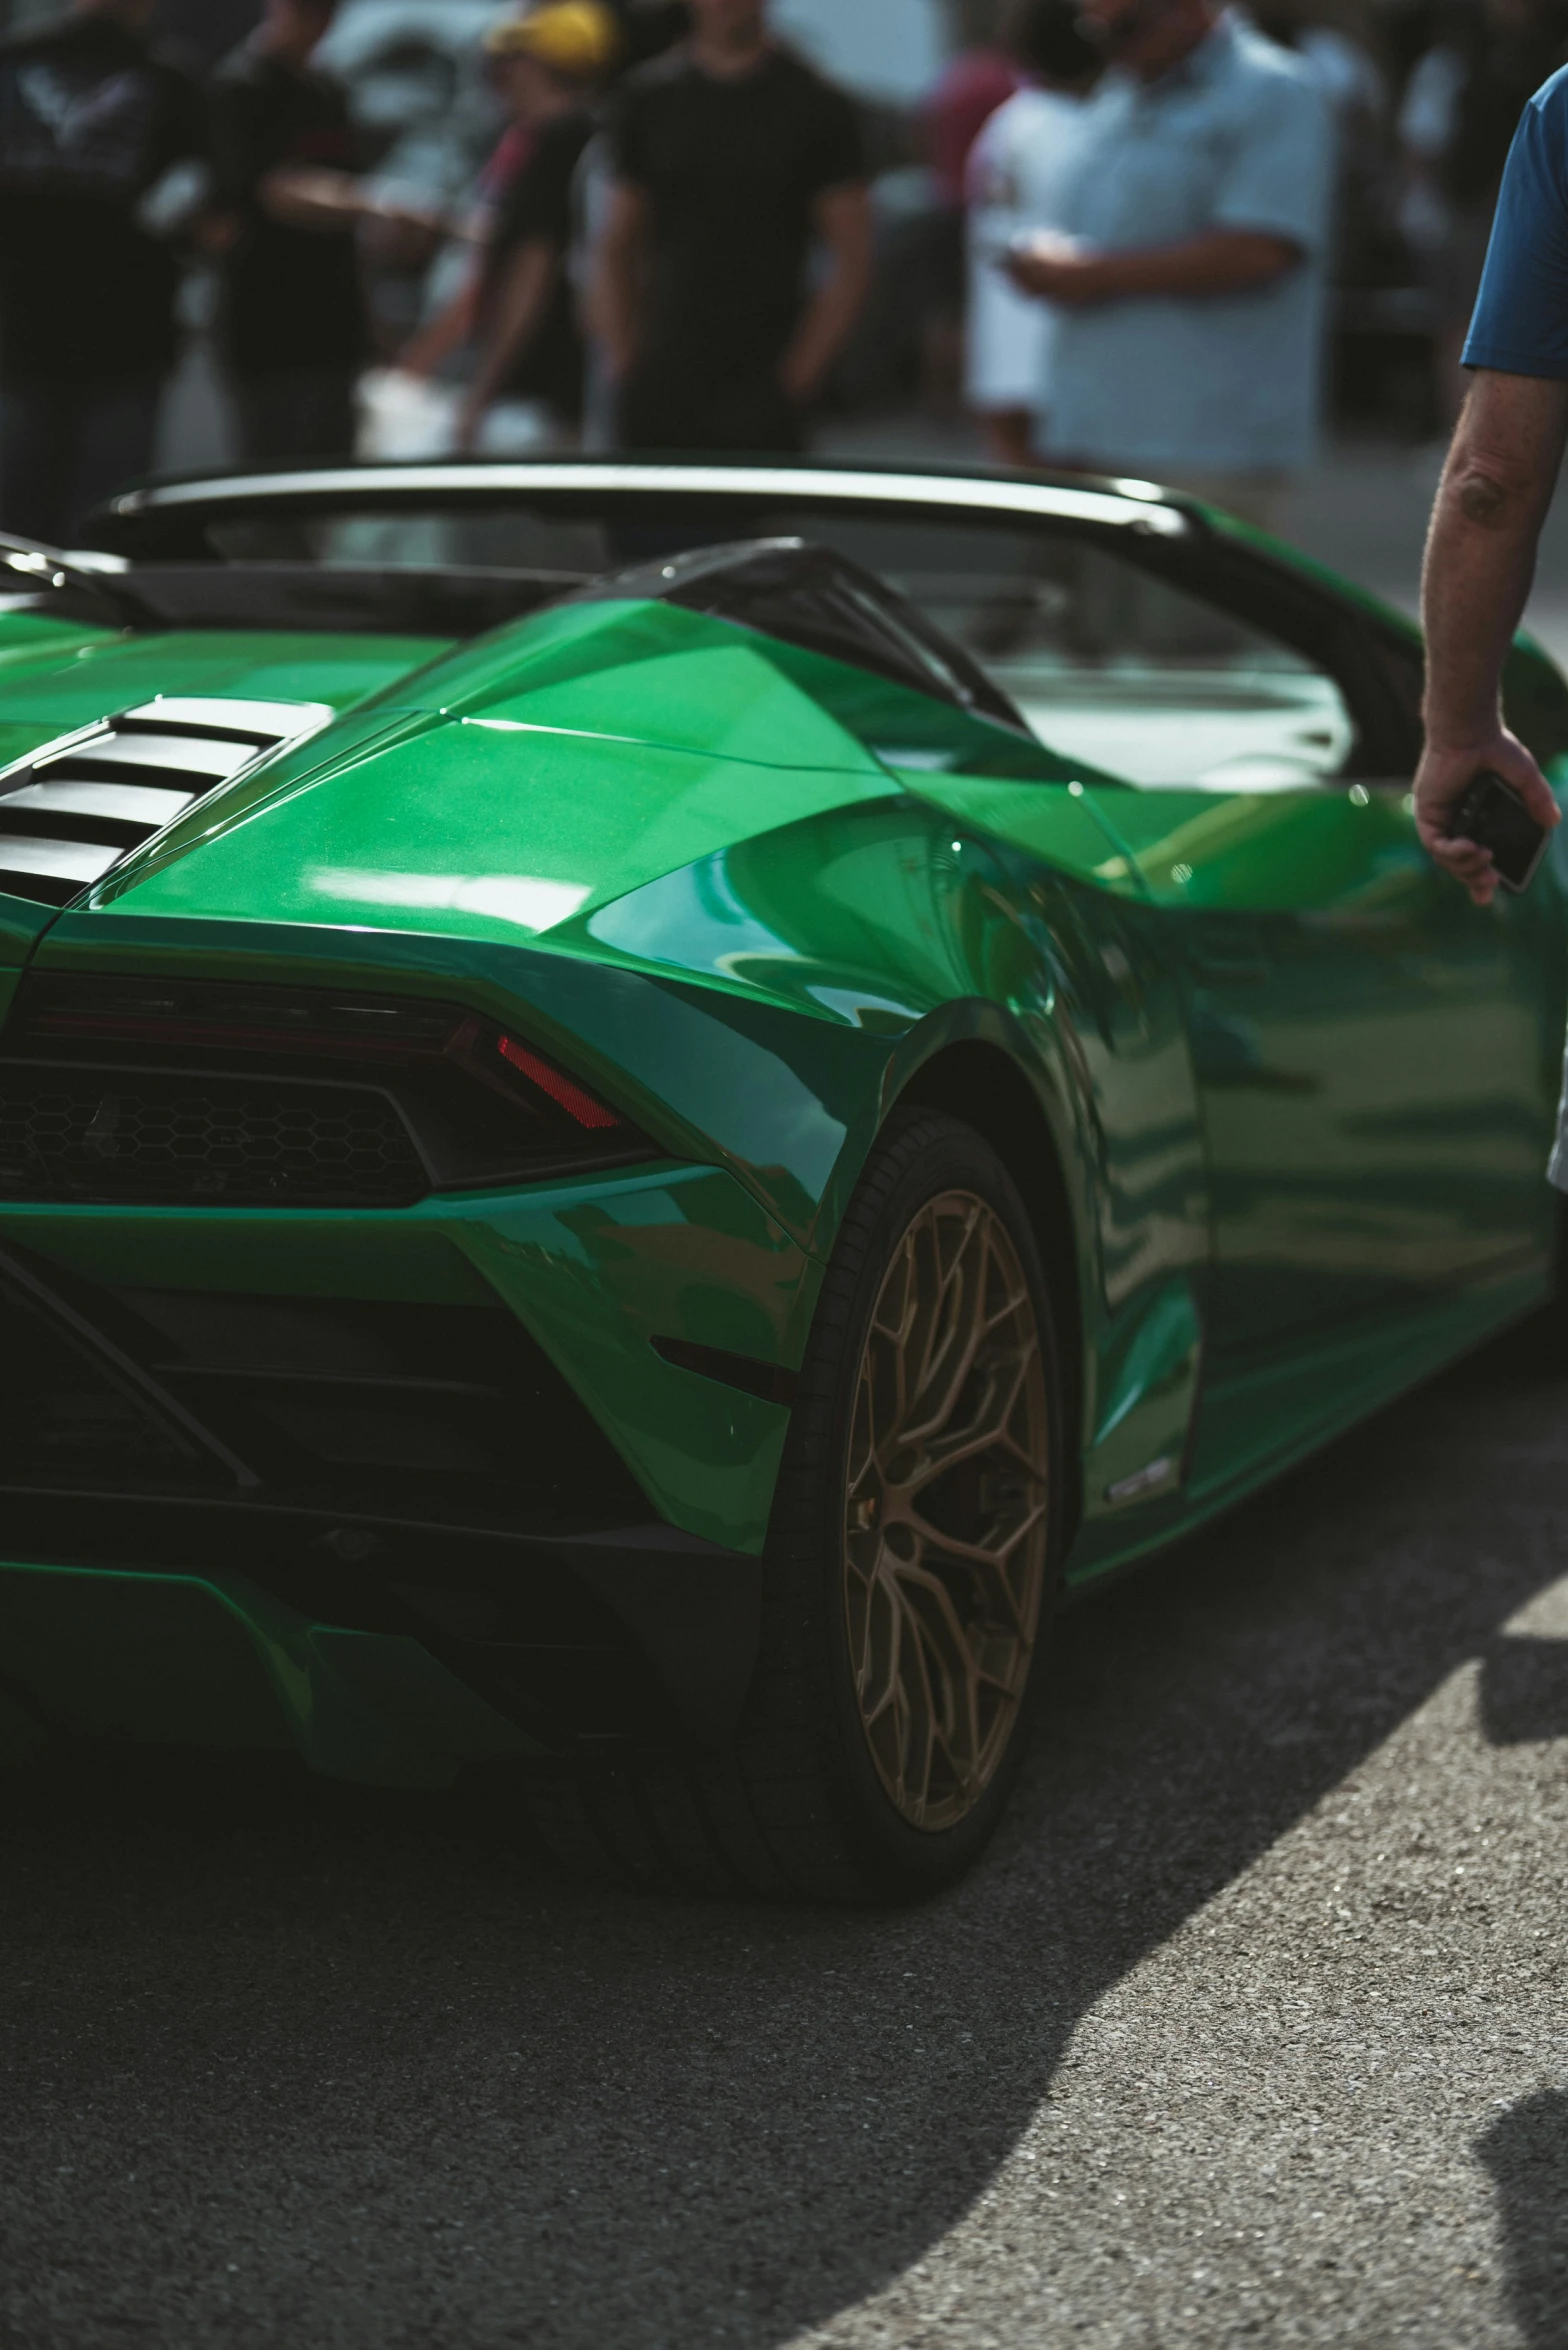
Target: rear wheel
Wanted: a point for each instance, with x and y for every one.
(912, 1563)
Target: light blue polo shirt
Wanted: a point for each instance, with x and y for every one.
(1239, 135)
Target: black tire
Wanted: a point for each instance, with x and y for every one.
(802, 1803)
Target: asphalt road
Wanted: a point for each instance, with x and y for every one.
(1251, 2029)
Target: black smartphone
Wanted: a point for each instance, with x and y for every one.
(1494, 816)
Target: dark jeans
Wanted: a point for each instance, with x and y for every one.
(65, 446)
(296, 412)
(754, 416)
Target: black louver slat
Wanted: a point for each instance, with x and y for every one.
(72, 811)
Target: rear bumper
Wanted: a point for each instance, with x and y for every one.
(427, 1473)
(502, 1328)
(542, 1648)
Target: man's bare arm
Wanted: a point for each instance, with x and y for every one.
(522, 298)
(1221, 261)
(843, 220)
(452, 326)
(333, 203)
(615, 297)
(1480, 561)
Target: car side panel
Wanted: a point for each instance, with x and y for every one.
(912, 924)
(1396, 1087)
(1375, 1061)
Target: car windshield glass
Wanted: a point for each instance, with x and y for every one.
(1108, 661)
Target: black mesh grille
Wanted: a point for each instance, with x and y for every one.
(123, 1087)
(168, 1139)
(432, 1415)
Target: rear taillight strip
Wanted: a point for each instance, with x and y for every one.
(573, 1098)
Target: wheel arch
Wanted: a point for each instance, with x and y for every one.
(981, 1083)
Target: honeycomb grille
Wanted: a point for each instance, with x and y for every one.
(202, 1141)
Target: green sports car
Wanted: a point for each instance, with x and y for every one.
(642, 1108)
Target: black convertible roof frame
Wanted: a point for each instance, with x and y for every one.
(1098, 502)
(1377, 656)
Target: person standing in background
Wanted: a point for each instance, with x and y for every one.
(454, 325)
(94, 126)
(530, 347)
(293, 326)
(1017, 171)
(198, 34)
(976, 81)
(731, 161)
(647, 28)
(1188, 272)
(294, 329)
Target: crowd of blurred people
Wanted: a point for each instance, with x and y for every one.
(670, 242)
(1140, 231)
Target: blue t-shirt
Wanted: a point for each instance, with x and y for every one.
(1520, 325)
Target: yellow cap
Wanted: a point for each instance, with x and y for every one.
(578, 38)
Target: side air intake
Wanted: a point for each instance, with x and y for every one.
(77, 808)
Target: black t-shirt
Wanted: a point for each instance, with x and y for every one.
(90, 120)
(647, 28)
(291, 296)
(537, 208)
(731, 171)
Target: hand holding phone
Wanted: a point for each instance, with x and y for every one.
(1492, 814)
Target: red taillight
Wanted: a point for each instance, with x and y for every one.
(573, 1099)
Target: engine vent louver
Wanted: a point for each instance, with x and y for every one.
(74, 810)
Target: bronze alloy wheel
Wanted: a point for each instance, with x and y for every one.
(912, 1560)
(946, 1516)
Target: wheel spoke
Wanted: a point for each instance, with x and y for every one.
(990, 1565)
(947, 1509)
(988, 1429)
(947, 1367)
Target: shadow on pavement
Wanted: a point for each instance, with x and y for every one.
(1526, 2151)
(1524, 1692)
(287, 2063)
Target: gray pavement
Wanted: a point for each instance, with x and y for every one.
(1250, 2029)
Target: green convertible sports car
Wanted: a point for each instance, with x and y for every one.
(643, 1107)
